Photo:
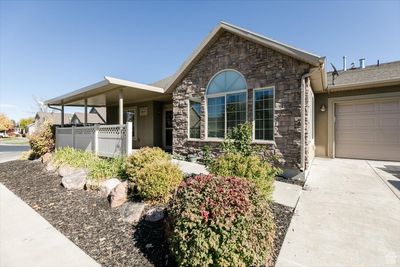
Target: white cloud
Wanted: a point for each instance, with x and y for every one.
(7, 106)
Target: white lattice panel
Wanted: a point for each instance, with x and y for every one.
(111, 139)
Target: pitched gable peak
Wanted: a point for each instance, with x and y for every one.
(223, 26)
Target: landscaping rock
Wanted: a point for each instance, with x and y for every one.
(119, 195)
(76, 180)
(108, 185)
(51, 167)
(155, 214)
(46, 158)
(131, 212)
(66, 170)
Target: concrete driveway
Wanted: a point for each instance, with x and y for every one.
(347, 215)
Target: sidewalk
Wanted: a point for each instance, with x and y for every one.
(27, 239)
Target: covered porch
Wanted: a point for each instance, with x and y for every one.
(138, 115)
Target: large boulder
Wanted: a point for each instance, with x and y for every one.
(51, 167)
(155, 214)
(108, 185)
(119, 195)
(76, 180)
(131, 212)
(66, 170)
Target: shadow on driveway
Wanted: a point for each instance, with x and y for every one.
(392, 169)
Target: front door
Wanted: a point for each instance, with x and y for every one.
(167, 129)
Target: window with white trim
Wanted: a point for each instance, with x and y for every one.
(226, 102)
(194, 117)
(264, 114)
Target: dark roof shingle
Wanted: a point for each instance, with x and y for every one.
(370, 74)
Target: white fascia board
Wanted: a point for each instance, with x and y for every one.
(302, 55)
(107, 81)
(293, 51)
(194, 54)
(364, 85)
(77, 92)
(135, 85)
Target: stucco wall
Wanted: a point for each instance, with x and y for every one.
(321, 118)
(261, 67)
(147, 132)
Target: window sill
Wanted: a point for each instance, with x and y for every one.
(220, 140)
(208, 140)
(263, 142)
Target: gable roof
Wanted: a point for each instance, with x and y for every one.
(91, 118)
(312, 59)
(370, 76)
(54, 117)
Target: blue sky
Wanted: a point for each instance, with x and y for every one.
(50, 48)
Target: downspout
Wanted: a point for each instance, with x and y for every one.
(303, 118)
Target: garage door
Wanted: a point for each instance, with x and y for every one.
(368, 129)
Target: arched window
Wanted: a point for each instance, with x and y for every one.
(226, 102)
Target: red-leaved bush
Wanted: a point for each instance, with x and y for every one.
(222, 221)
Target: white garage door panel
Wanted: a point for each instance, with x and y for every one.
(368, 129)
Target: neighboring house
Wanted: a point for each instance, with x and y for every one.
(31, 128)
(53, 117)
(236, 76)
(94, 116)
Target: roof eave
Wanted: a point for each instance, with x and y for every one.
(364, 85)
(107, 81)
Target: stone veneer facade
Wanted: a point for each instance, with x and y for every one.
(261, 67)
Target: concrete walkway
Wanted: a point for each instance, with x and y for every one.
(286, 194)
(27, 239)
(346, 216)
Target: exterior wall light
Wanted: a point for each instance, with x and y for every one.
(322, 108)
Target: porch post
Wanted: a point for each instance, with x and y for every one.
(121, 108)
(85, 120)
(128, 131)
(62, 114)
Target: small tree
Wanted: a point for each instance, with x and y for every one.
(5, 123)
(23, 123)
(42, 141)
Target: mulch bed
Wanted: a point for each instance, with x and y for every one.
(86, 219)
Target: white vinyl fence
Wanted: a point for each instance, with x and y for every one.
(104, 140)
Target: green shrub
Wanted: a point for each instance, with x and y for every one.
(42, 141)
(238, 140)
(139, 159)
(107, 168)
(74, 157)
(218, 221)
(251, 168)
(156, 180)
(207, 155)
(99, 169)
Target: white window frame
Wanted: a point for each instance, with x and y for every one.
(254, 114)
(225, 121)
(135, 120)
(188, 112)
(207, 96)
